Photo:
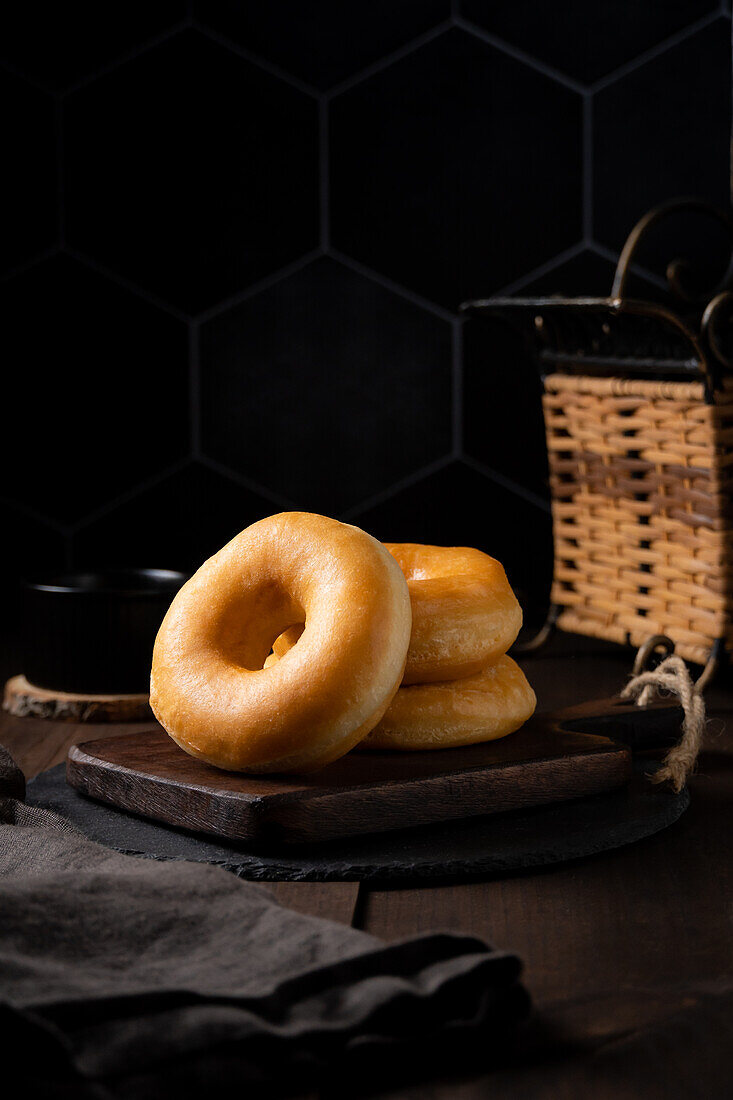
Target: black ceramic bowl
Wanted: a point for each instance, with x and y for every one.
(93, 633)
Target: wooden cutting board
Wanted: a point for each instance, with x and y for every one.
(552, 758)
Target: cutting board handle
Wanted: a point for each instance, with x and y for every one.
(656, 726)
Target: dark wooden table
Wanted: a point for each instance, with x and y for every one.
(614, 947)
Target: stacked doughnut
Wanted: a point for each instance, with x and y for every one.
(382, 647)
(459, 685)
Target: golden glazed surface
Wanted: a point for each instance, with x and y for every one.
(464, 613)
(484, 707)
(208, 686)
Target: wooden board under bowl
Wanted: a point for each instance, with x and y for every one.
(24, 700)
(554, 757)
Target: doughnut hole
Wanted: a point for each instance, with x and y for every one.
(247, 627)
(287, 639)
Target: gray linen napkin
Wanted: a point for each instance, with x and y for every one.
(131, 978)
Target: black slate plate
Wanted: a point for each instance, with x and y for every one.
(493, 845)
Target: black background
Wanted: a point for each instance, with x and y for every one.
(236, 236)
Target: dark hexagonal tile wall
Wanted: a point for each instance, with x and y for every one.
(585, 40)
(456, 169)
(458, 506)
(590, 273)
(663, 131)
(61, 43)
(585, 273)
(176, 524)
(326, 388)
(191, 172)
(95, 393)
(323, 41)
(29, 173)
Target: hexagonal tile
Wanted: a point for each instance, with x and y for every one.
(586, 41)
(666, 129)
(464, 168)
(323, 41)
(176, 524)
(59, 44)
(29, 141)
(95, 389)
(457, 506)
(585, 273)
(191, 172)
(589, 273)
(326, 387)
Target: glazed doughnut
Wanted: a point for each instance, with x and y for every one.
(464, 613)
(208, 686)
(484, 707)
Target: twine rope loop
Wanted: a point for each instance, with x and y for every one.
(672, 677)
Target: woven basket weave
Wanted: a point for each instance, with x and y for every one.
(641, 474)
(638, 406)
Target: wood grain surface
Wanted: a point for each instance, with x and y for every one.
(25, 700)
(150, 775)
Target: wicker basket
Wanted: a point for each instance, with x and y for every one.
(638, 406)
(641, 474)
